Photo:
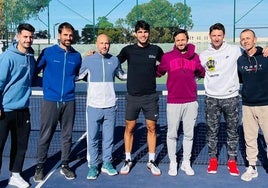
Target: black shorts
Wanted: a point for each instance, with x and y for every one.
(147, 103)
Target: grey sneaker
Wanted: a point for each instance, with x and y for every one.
(126, 167)
(67, 172)
(250, 174)
(18, 181)
(186, 167)
(39, 173)
(173, 168)
(152, 166)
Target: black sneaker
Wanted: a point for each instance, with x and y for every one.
(39, 173)
(67, 172)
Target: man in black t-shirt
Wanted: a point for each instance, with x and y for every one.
(141, 87)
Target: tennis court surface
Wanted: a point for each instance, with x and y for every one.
(139, 175)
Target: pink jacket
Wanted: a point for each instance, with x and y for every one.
(182, 69)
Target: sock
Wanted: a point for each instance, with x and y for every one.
(151, 157)
(15, 174)
(253, 166)
(128, 156)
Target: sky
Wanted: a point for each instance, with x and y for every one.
(249, 13)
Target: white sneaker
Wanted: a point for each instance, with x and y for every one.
(153, 168)
(126, 167)
(250, 174)
(186, 167)
(18, 181)
(173, 169)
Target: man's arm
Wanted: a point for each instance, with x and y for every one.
(120, 73)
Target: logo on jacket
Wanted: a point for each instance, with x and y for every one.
(211, 64)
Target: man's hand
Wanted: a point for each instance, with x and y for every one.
(90, 52)
(265, 51)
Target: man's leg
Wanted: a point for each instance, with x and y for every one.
(230, 112)
(151, 135)
(128, 139)
(212, 117)
(128, 135)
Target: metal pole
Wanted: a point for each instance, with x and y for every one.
(137, 10)
(234, 21)
(94, 32)
(6, 23)
(54, 33)
(184, 14)
(48, 24)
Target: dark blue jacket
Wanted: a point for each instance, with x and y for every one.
(60, 69)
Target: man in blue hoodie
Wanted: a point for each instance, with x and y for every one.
(17, 65)
(60, 64)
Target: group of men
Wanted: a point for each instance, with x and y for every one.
(222, 66)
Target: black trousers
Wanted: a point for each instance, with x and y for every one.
(16, 122)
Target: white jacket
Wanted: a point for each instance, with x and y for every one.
(221, 79)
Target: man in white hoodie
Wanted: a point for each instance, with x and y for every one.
(222, 89)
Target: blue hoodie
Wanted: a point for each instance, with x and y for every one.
(16, 72)
(60, 69)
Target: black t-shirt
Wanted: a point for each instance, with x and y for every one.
(141, 73)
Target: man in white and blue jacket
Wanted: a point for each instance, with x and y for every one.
(60, 64)
(101, 69)
(17, 66)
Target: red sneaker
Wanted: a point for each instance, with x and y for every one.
(213, 166)
(233, 168)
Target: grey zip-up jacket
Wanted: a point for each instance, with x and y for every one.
(101, 71)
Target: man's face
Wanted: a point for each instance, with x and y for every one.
(247, 40)
(66, 37)
(103, 44)
(25, 39)
(216, 37)
(180, 41)
(142, 36)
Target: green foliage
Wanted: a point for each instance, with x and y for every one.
(18, 11)
(14, 12)
(161, 13)
(162, 16)
(88, 34)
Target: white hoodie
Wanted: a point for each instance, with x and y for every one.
(221, 79)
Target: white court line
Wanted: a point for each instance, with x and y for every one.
(199, 92)
(164, 92)
(40, 184)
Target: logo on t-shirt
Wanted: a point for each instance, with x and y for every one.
(211, 64)
(152, 57)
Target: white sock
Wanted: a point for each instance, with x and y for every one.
(15, 174)
(151, 157)
(128, 156)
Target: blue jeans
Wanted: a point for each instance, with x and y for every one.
(97, 117)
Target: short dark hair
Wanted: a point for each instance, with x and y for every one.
(65, 25)
(245, 30)
(179, 31)
(25, 26)
(217, 26)
(141, 24)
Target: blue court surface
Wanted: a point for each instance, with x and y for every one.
(139, 175)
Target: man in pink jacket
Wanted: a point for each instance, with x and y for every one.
(183, 67)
